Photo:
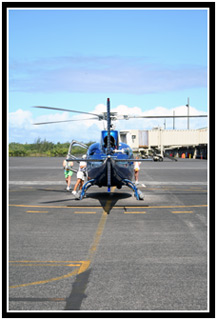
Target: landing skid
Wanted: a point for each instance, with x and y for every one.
(137, 193)
(86, 186)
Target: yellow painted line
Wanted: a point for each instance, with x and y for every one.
(86, 212)
(166, 207)
(176, 189)
(81, 266)
(97, 236)
(74, 272)
(52, 207)
(199, 188)
(100, 229)
(20, 190)
(45, 265)
(117, 207)
(29, 211)
(46, 261)
(84, 264)
(182, 211)
(135, 212)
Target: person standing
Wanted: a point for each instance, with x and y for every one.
(136, 170)
(80, 176)
(67, 165)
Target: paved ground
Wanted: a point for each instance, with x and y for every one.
(108, 252)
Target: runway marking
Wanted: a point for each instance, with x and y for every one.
(29, 211)
(85, 212)
(191, 189)
(147, 183)
(100, 229)
(168, 207)
(182, 211)
(51, 207)
(199, 188)
(47, 262)
(37, 299)
(81, 266)
(116, 207)
(84, 267)
(135, 212)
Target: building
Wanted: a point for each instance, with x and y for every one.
(191, 142)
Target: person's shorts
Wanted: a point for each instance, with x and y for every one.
(68, 173)
(80, 175)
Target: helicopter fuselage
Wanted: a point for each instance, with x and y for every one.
(119, 170)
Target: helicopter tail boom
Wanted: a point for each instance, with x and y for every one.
(108, 127)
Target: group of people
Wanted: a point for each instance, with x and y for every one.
(68, 172)
(67, 165)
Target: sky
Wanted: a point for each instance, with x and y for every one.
(146, 61)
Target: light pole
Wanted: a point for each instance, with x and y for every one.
(188, 105)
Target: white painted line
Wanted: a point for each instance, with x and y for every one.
(147, 183)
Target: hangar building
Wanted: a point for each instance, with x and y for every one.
(193, 143)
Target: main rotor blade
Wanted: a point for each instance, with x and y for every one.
(152, 117)
(84, 160)
(69, 110)
(50, 122)
(132, 160)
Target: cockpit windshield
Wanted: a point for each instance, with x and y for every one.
(113, 139)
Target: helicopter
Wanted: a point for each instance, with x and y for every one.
(109, 162)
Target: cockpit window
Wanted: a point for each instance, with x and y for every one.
(112, 141)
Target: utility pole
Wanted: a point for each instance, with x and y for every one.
(173, 120)
(188, 105)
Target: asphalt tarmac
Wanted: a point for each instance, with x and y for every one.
(108, 252)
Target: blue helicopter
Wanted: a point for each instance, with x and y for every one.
(109, 162)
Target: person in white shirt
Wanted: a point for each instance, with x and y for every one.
(80, 176)
(136, 170)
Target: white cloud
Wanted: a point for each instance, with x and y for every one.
(22, 129)
(181, 123)
(20, 119)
